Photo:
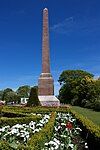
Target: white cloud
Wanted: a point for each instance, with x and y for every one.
(77, 25)
(63, 26)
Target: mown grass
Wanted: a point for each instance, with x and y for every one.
(90, 114)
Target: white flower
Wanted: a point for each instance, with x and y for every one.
(36, 130)
(62, 144)
(42, 121)
(18, 134)
(17, 142)
(66, 129)
(57, 146)
(40, 124)
(71, 146)
(52, 142)
(57, 141)
(33, 114)
(26, 133)
(68, 114)
(14, 131)
(86, 146)
(27, 136)
(56, 129)
(52, 148)
(46, 144)
(63, 136)
(73, 120)
(17, 126)
(63, 124)
(22, 135)
(59, 127)
(3, 129)
(39, 115)
(79, 129)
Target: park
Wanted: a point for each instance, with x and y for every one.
(32, 115)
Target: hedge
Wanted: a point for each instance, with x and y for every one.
(90, 131)
(12, 114)
(38, 140)
(12, 121)
(41, 109)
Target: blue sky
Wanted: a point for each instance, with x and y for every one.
(74, 39)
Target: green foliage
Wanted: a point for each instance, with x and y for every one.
(11, 97)
(23, 91)
(5, 146)
(1, 95)
(72, 75)
(28, 110)
(7, 90)
(78, 88)
(97, 105)
(1, 107)
(33, 98)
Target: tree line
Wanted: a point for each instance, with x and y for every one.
(9, 95)
(78, 88)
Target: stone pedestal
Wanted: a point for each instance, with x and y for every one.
(50, 101)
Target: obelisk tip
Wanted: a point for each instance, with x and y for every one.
(45, 9)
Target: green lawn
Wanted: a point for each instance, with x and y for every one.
(90, 114)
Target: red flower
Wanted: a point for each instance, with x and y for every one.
(69, 125)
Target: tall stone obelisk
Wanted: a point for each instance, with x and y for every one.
(46, 82)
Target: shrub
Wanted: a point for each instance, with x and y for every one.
(89, 105)
(5, 146)
(97, 105)
(1, 107)
(12, 121)
(33, 98)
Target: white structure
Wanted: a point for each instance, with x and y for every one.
(24, 100)
(2, 102)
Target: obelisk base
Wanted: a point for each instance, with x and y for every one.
(45, 84)
(49, 101)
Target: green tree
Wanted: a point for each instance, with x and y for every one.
(33, 98)
(1, 95)
(23, 91)
(11, 97)
(75, 85)
(5, 93)
(86, 92)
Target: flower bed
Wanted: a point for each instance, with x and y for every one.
(38, 140)
(66, 134)
(62, 132)
(20, 133)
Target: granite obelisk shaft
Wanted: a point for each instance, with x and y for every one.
(45, 83)
(45, 43)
